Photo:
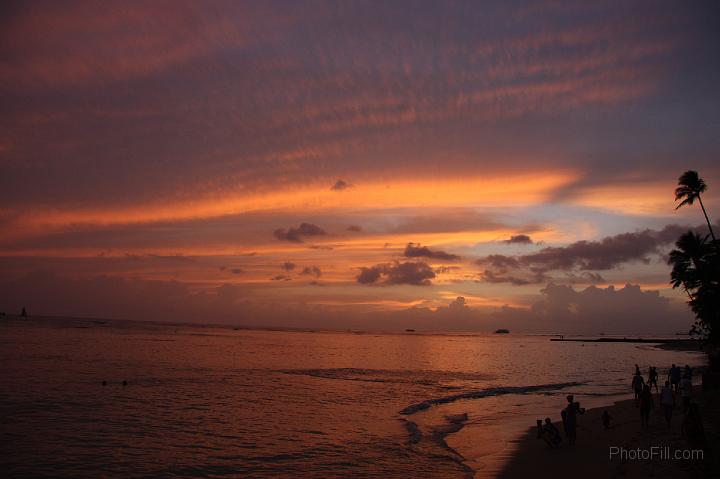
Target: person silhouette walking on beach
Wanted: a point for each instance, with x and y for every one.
(646, 405)
(569, 418)
(637, 369)
(637, 386)
(667, 402)
(653, 378)
(674, 377)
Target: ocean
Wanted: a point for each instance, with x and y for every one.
(219, 402)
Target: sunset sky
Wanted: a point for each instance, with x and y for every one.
(355, 164)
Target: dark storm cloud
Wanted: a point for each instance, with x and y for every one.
(296, 235)
(519, 239)
(413, 250)
(413, 273)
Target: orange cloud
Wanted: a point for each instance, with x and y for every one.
(521, 189)
(641, 198)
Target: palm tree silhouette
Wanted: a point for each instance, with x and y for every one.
(696, 268)
(687, 261)
(690, 185)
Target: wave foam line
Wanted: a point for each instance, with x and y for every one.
(413, 408)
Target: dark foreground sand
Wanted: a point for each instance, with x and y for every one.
(590, 457)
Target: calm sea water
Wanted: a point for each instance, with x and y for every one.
(214, 402)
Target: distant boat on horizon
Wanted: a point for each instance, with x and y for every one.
(409, 330)
(502, 331)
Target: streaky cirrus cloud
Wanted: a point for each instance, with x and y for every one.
(415, 250)
(250, 95)
(416, 273)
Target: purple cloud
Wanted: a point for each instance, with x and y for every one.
(413, 273)
(584, 256)
(413, 250)
(296, 235)
(340, 185)
(311, 271)
(519, 239)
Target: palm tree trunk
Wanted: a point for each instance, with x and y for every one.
(706, 218)
(688, 293)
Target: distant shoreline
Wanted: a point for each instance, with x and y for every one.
(674, 344)
(418, 332)
(626, 340)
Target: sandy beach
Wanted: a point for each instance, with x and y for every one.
(590, 456)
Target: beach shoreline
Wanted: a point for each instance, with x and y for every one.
(590, 457)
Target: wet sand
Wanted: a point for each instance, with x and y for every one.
(590, 457)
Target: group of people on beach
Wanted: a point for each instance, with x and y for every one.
(679, 382)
